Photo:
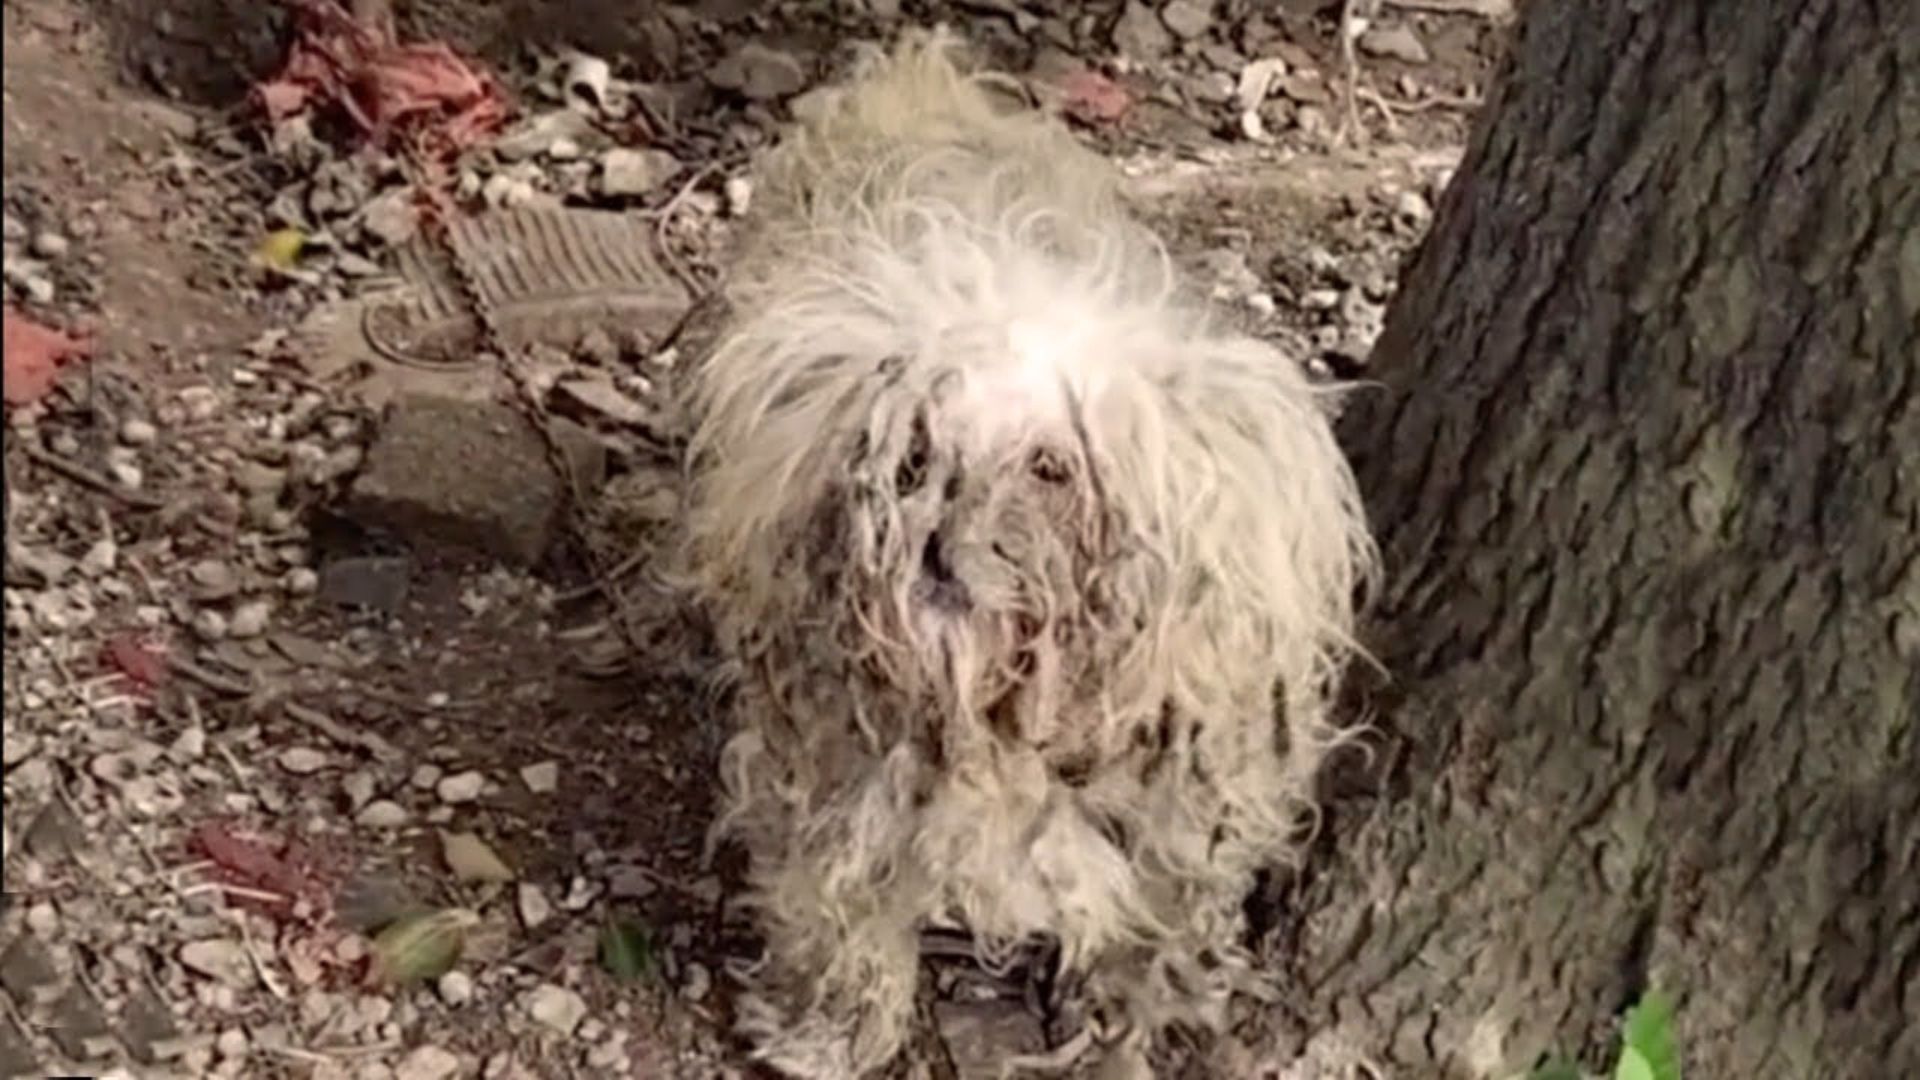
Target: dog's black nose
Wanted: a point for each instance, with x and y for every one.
(943, 588)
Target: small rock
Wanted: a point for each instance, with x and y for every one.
(126, 474)
(759, 73)
(148, 1028)
(738, 191)
(630, 883)
(625, 171)
(535, 908)
(1140, 35)
(470, 859)
(101, 557)
(541, 779)
(358, 788)
(55, 832)
(249, 619)
(381, 814)
(425, 775)
(302, 760)
(219, 959)
(212, 580)
(232, 1044)
(460, 787)
(373, 582)
(301, 581)
(28, 971)
(556, 1007)
(1412, 207)
(80, 1025)
(469, 474)
(189, 745)
(137, 432)
(1397, 42)
(50, 245)
(391, 218)
(455, 988)
(698, 983)
(427, 1063)
(210, 625)
(1187, 18)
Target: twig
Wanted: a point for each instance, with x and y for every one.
(1386, 110)
(1352, 130)
(602, 582)
(381, 749)
(1465, 102)
(1486, 9)
(80, 474)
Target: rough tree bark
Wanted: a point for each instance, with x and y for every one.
(1647, 470)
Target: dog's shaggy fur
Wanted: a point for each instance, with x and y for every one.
(1017, 557)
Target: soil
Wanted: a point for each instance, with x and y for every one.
(239, 724)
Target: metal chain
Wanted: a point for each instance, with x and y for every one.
(491, 339)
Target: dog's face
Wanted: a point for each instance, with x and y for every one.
(1024, 501)
(980, 533)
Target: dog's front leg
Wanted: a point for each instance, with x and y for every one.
(834, 999)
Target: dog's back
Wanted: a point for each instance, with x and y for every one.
(914, 135)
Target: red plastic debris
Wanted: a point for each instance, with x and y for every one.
(138, 660)
(1092, 98)
(34, 355)
(426, 95)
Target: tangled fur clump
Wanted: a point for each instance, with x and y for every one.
(1017, 557)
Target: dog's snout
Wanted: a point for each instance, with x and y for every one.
(944, 589)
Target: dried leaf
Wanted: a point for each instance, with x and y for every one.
(138, 659)
(34, 354)
(1092, 98)
(261, 864)
(626, 950)
(420, 946)
(471, 859)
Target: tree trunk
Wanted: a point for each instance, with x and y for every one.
(1647, 474)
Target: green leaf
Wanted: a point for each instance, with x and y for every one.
(420, 946)
(1648, 1051)
(626, 950)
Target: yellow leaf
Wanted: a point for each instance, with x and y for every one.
(281, 249)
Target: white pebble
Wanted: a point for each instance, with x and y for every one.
(210, 625)
(541, 779)
(535, 908)
(302, 760)
(456, 988)
(51, 245)
(556, 1007)
(301, 581)
(381, 814)
(460, 787)
(249, 619)
(137, 432)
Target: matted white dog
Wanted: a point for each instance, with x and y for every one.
(1035, 582)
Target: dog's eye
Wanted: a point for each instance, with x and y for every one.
(1047, 467)
(911, 473)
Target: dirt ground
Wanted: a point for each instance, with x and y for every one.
(275, 750)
